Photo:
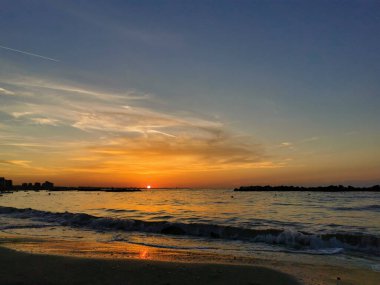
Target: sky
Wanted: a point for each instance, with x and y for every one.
(190, 93)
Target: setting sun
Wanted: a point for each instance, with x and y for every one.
(148, 187)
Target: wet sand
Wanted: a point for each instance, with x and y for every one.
(24, 268)
(32, 261)
(317, 274)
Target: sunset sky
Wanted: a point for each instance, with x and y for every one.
(190, 93)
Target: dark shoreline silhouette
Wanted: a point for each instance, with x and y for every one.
(331, 188)
(112, 189)
(7, 186)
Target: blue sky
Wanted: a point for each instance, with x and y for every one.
(292, 85)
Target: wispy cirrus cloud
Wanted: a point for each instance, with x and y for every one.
(20, 114)
(91, 110)
(30, 85)
(28, 53)
(45, 121)
(123, 132)
(4, 91)
(22, 163)
(286, 144)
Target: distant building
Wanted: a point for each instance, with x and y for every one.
(5, 184)
(47, 185)
(8, 184)
(37, 185)
(2, 184)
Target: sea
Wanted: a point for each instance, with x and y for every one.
(206, 224)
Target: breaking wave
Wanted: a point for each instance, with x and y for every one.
(325, 243)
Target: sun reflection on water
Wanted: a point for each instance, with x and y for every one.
(144, 254)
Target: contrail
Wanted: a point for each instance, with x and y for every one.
(29, 53)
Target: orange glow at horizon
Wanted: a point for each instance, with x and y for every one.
(183, 162)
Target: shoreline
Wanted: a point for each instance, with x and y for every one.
(159, 266)
(25, 268)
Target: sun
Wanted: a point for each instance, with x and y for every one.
(148, 187)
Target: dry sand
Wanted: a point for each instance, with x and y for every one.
(23, 268)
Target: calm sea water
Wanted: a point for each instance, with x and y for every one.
(209, 220)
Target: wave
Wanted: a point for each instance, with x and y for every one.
(119, 210)
(321, 251)
(295, 240)
(375, 208)
(15, 227)
(376, 267)
(118, 238)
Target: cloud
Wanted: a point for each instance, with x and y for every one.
(4, 91)
(183, 152)
(29, 53)
(286, 144)
(45, 121)
(96, 111)
(161, 133)
(42, 86)
(143, 121)
(20, 114)
(106, 132)
(22, 163)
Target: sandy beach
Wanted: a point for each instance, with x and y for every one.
(32, 261)
(24, 268)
